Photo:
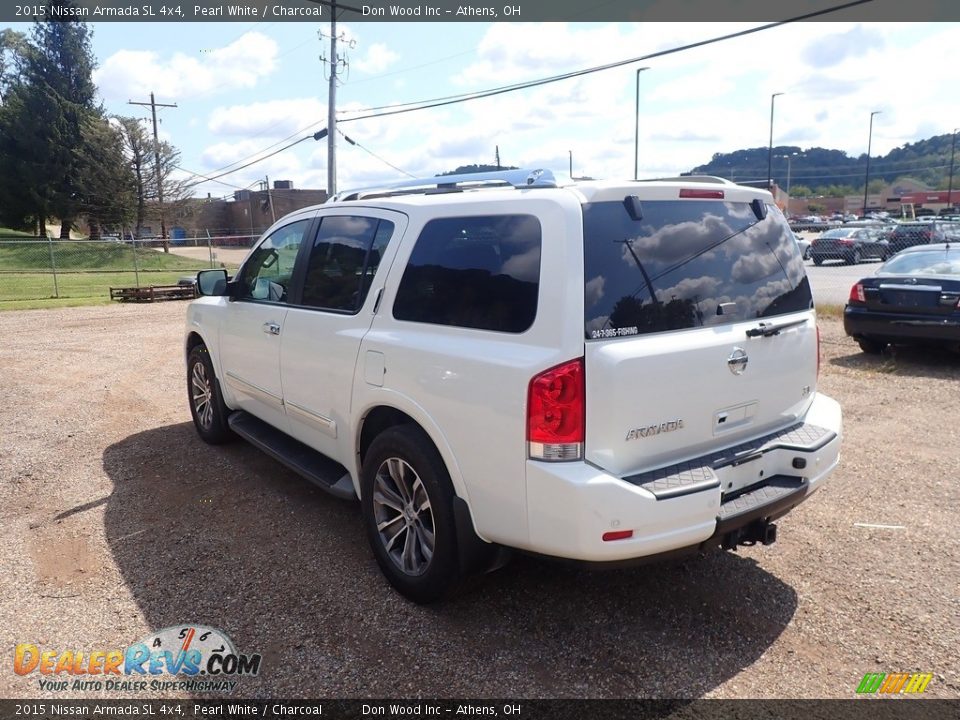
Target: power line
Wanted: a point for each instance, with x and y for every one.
(371, 152)
(401, 108)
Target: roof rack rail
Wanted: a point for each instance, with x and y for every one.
(528, 178)
(692, 178)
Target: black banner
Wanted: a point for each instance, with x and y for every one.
(858, 709)
(483, 10)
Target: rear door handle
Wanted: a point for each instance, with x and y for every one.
(271, 328)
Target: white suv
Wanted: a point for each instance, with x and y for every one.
(600, 371)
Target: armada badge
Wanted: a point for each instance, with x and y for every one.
(651, 430)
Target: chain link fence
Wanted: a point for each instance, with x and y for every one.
(37, 269)
(33, 269)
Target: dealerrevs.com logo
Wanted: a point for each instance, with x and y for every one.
(190, 658)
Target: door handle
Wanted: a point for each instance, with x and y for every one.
(271, 328)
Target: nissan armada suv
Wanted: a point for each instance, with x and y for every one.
(600, 371)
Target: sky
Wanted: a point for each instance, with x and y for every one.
(241, 88)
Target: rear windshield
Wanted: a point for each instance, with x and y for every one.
(942, 261)
(687, 264)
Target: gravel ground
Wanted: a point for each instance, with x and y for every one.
(115, 521)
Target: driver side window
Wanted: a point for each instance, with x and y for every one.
(268, 272)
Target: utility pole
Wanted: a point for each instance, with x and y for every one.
(270, 198)
(770, 146)
(496, 150)
(332, 106)
(156, 156)
(953, 146)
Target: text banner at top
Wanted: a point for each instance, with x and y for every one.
(484, 11)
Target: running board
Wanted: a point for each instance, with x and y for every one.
(315, 467)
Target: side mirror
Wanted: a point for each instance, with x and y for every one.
(212, 282)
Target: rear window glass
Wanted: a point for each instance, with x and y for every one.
(927, 262)
(473, 272)
(687, 264)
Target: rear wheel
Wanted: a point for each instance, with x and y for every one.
(871, 346)
(206, 403)
(855, 257)
(407, 505)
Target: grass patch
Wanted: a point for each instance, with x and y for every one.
(6, 233)
(90, 256)
(74, 288)
(834, 312)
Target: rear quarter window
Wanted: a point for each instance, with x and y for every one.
(686, 264)
(473, 272)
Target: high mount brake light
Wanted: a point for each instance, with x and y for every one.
(695, 193)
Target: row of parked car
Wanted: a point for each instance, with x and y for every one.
(858, 241)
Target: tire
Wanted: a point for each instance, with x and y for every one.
(404, 484)
(806, 254)
(856, 257)
(817, 260)
(209, 411)
(870, 346)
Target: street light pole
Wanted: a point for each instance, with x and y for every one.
(953, 146)
(636, 128)
(770, 146)
(866, 179)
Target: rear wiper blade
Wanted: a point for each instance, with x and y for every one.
(769, 329)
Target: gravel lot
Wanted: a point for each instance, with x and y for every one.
(115, 520)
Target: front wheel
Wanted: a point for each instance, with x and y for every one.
(206, 403)
(817, 260)
(407, 506)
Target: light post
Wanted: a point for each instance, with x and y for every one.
(770, 147)
(953, 146)
(866, 179)
(789, 158)
(636, 128)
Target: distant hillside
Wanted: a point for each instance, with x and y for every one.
(819, 168)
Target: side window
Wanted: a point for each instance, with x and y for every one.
(344, 258)
(267, 272)
(473, 272)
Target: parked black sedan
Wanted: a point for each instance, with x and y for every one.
(848, 244)
(913, 298)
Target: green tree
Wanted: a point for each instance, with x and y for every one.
(800, 191)
(107, 192)
(13, 53)
(59, 74)
(141, 157)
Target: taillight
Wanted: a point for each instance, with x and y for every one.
(846, 241)
(856, 294)
(556, 408)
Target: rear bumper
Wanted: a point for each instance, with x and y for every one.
(898, 327)
(571, 505)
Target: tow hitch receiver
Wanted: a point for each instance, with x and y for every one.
(758, 531)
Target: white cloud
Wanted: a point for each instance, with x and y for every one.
(136, 73)
(276, 118)
(378, 58)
